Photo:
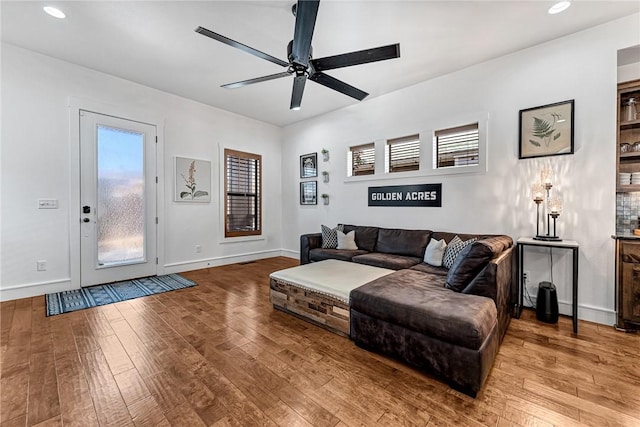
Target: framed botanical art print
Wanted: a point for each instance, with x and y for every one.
(309, 165)
(309, 193)
(546, 130)
(193, 180)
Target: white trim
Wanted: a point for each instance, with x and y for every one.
(240, 239)
(178, 267)
(426, 153)
(75, 105)
(290, 254)
(29, 290)
(589, 313)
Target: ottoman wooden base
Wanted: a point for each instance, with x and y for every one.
(319, 292)
(322, 310)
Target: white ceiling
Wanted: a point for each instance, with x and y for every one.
(154, 43)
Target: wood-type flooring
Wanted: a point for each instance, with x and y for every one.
(218, 354)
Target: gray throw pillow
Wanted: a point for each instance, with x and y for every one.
(434, 253)
(347, 241)
(330, 236)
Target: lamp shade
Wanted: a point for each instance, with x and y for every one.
(546, 175)
(537, 192)
(555, 205)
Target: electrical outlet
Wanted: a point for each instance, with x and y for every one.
(198, 249)
(525, 276)
(41, 265)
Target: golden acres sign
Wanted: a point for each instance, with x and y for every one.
(429, 195)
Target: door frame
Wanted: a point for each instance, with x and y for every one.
(128, 113)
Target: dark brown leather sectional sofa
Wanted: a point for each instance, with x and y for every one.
(449, 322)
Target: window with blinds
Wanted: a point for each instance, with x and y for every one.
(243, 194)
(403, 154)
(457, 146)
(362, 159)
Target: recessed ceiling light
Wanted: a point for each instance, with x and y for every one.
(56, 13)
(560, 6)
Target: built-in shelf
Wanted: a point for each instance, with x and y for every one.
(630, 125)
(632, 155)
(627, 188)
(628, 135)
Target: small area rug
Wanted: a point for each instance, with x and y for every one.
(93, 296)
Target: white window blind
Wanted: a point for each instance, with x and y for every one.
(457, 146)
(243, 199)
(362, 159)
(403, 154)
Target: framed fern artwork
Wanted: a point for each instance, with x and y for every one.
(546, 130)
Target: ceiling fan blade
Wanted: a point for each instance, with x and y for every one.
(256, 80)
(298, 89)
(306, 13)
(356, 58)
(338, 85)
(243, 47)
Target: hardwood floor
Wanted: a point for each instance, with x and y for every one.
(218, 354)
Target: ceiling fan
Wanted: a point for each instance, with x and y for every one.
(301, 65)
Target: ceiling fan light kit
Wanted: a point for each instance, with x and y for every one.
(301, 64)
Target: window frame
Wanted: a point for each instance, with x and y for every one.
(475, 126)
(258, 195)
(350, 159)
(388, 153)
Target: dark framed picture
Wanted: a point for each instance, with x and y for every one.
(309, 165)
(309, 193)
(546, 130)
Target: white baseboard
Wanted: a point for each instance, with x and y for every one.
(585, 312)
(290, 254)
(179, 267)
(34, 289)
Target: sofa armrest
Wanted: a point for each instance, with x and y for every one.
(496, 281)
(308, 242)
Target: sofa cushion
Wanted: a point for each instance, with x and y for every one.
(330, 237)
(365, 236)
(403, 242)
(473, 259)
(453, 249)
(434, 252)
(426, 268)
(391, 261)
(347, 241)
(420, 302)
(319, 254)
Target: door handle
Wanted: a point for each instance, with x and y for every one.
(85, 220)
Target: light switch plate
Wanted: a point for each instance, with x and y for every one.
(47, 203)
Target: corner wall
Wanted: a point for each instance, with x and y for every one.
(36, 164)
(581, 66)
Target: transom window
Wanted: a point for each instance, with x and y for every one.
(402, 154)
(362, 160)
(457, 146)
(243, 194)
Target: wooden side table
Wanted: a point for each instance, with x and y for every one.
(563, 244)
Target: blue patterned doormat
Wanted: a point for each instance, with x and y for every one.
(93, 296)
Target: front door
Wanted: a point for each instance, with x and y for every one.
(117, 199)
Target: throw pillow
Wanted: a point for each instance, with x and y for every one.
(329, 236)
(468, 264)
(435, 252)
(347, 241)
(453, 249)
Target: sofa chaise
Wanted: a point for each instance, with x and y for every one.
(449, 322)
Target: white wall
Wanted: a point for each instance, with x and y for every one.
(36, 164)
(580, 66)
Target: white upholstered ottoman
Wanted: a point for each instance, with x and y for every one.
(319, 292)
